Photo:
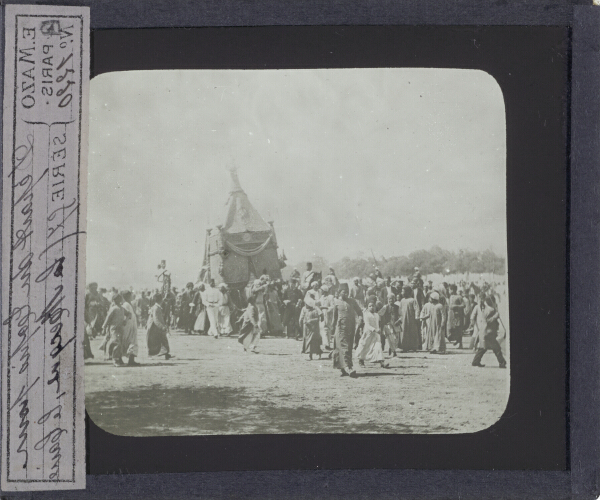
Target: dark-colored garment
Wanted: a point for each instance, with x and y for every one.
(168, 306)
(144, 308)
(344, 325)
(410, 325)
(497, 351)
(358, 335)
(87, 348)
(291, 313)
(94, 313)
(187, 318)
(311, 335)
(158, 344)
(388, 315)
(468, 310)
(357, 293)
(456, 312)
(272, 308)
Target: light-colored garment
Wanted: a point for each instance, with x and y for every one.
(250, 331)
(369, 347)
(130, 332)
(436, 330)
(311, 298)
(307, 277)
(259, 291)
(391, 337)
(113, 327)
(200, 323)
(327, 305)
(425, 318)
(332, 282)
(485, 318)
(212, 300)
(225, 315)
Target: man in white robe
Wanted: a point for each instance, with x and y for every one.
(212, 300)
(224, 311)
(130, 330)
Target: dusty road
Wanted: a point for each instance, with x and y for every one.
(212, 387)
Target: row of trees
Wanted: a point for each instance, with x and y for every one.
(433, 261)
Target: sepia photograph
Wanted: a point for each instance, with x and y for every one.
(303, 251)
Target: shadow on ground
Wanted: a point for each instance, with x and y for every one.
(160, 411)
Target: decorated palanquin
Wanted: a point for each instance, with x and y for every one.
(244, 246)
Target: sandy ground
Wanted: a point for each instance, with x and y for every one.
(212, 387)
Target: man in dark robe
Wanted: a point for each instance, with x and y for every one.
(188, 307)
(345, 312)
(105, 303)
(156, 336)
(409, 321)
(456, 312)
(94, 312)
(168, 305)
(143, 305)
(292, 299)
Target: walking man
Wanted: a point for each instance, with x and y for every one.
(114, 325)
(486, 317)
(345, 312)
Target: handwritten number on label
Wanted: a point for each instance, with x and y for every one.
(60, 78)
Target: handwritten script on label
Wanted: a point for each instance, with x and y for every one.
(44, 173)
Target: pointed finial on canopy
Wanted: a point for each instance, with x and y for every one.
(235, 182)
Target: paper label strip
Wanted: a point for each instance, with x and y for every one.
(44, 178)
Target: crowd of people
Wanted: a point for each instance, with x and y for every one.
(365, 318)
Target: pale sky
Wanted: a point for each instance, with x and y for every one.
(342, 160)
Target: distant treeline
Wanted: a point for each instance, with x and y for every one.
(433, 261)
